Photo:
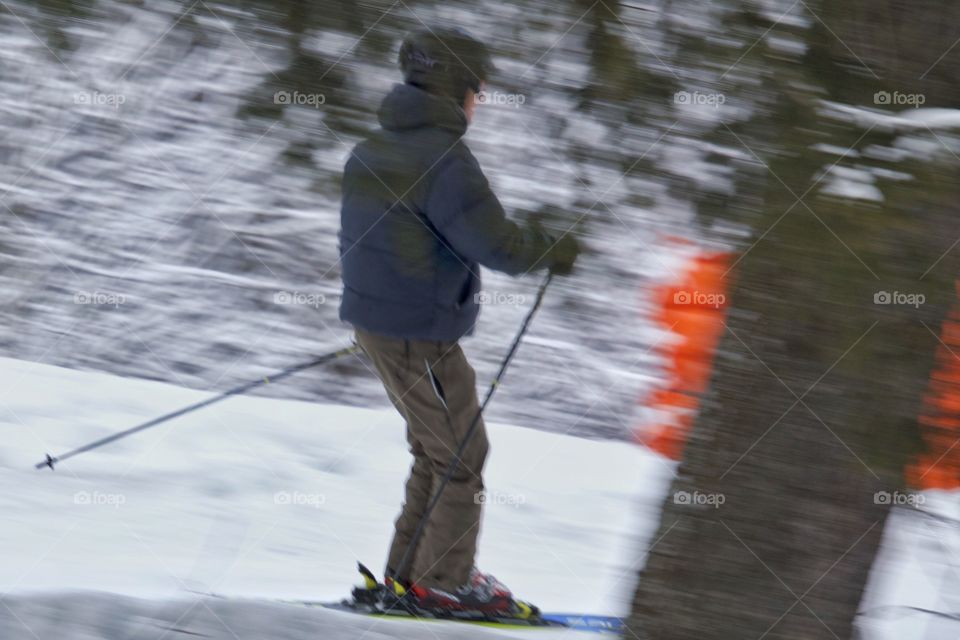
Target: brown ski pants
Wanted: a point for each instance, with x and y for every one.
(434, 388)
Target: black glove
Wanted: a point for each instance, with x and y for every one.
(563, 254)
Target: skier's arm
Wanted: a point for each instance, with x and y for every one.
(466, 212)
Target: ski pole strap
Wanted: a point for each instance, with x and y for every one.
(280, 375)
(455, 463)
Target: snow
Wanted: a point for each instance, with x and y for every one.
(846, 182)
(278, 499)
(907, 119)
(835, 150)
(791, 46)
(262, 499)
(93, 616)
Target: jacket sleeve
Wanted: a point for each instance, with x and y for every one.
(461, 205)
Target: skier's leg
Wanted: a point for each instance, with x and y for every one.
(402, 366)
(418, 491)
(448, 548)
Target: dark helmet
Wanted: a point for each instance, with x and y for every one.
(445, 61)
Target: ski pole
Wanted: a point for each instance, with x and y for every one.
(333, 355)
(452, 468)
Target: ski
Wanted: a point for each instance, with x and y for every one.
(369, 600)
(570, 621)
(374, 599)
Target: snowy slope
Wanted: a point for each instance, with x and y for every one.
(264, 498)
(90, 616)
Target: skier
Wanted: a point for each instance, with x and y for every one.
(418, 218)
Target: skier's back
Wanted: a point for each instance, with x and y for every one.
(418, 219)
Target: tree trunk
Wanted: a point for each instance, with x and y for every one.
(818, 382)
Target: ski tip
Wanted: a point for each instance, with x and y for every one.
(369, 580)
(586, 622)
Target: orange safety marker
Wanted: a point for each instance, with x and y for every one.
(693, 309)
(938, 466)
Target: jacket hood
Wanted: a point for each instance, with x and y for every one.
(410, 107)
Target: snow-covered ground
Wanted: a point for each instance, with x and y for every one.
(261, 498)
(90, 616)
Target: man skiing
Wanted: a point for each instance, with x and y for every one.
(418, 219)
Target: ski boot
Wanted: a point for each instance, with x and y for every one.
(482, 597)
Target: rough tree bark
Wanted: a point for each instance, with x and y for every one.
(816, 388)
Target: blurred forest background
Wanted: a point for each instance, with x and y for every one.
(158, 202)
